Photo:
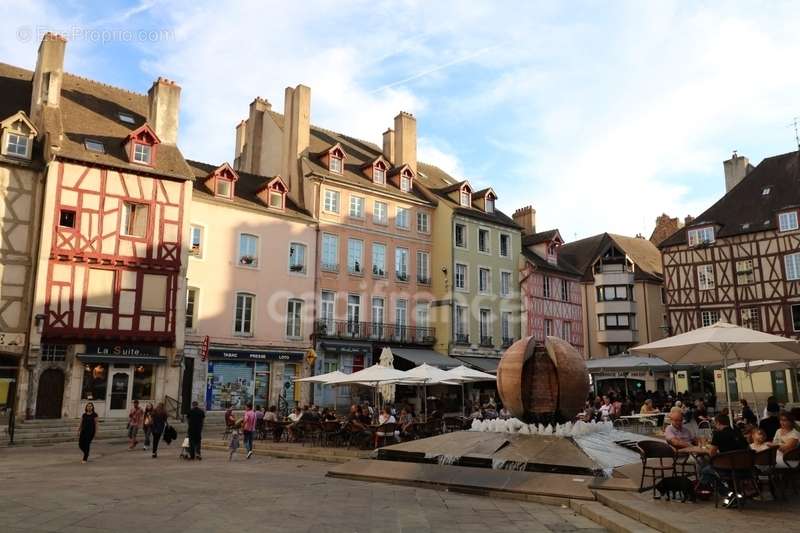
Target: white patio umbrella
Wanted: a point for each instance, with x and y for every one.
(323, 379)
(752, 367)
(722, 342)
(427, 375)
(387, 390)
(462, 374)
(371, 377)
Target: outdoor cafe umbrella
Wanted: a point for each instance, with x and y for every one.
(387, 360)
(764, 366)
(427, 375)
(462, 374)
(722, 342)
(371, 376)
(323, 379)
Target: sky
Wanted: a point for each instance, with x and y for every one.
(601, 115)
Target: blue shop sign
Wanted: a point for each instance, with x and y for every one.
(238, 354)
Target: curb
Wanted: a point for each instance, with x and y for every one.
(281, 454)
(609, 518)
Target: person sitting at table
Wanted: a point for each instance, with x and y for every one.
(787, 438)
(760, 442)
(647, 408)
(504, 413)
(405, 422)
(328, 415)
(700, 411)
(606, 409)
(357, 427)
(771, 423)
(724, 439)
(771, 401)
(748, 416)
(294, 416)
(385, 417)
(677, 435)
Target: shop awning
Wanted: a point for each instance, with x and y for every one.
(419, 356)
(123, 359)
(485, 364)
(631, 363)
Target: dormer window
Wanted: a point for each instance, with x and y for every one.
(335, 158)
(379, 174)
(141, 145)
(95, 146)
(406, 180)
(701, 236)
(490, 203)
(274, 193)
(787, 221)
(16, 145)
(276, 200)
(466, 198)
(221, 181)
(223, 188)
(552, 253)
(18, 135)
(142, 153)
(128, 119)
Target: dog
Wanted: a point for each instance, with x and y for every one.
(673, 486)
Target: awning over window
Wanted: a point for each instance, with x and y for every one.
(484, 364)
(123, 359)
(631, 363)
(418, 356)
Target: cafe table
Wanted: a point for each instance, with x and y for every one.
(696, 453)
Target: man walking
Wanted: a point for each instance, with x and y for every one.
(248, 428)
(195, 420)
(135, 416)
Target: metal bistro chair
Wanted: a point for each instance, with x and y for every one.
(790, 474)
(384, 432)
(734, 467)
(331, 432)
(658, 459)
(765, 471)
(310, 432)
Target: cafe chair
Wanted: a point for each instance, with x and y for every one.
(736, 468)
(766, 471)
(331, 432)
(384, 432)
(658, 462)
(789, 473)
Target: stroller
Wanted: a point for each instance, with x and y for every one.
(185, 454)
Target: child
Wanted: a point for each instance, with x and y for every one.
(759, 443)
(233, 445)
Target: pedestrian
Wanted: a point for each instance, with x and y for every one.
(135, 416)
(147, 425)
(233, 445)
(195, 420)
(248, 428)
(159, 424)
(87, 430)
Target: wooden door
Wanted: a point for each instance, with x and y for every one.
(50, 394)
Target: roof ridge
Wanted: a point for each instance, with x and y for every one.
(79, 77)
(333, 132)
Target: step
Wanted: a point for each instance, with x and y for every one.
(607, 517)
(621, 504)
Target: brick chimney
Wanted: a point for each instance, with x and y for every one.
(405, 140)
(296, 138)
(249, 138)
(388, 145)
(525, 217)
(164, 99)
(238, 148)
(736, 168)
(47, 77)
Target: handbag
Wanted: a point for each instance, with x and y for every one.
(170, 434)
(185, 442)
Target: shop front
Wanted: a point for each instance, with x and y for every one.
(237, 376)
(113, 376)
(347, 357)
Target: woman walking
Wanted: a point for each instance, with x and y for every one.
(159, 424)
(87, 430)
(148, 425)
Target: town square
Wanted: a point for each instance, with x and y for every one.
(399, 266)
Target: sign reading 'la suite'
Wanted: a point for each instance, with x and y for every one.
(121, 349)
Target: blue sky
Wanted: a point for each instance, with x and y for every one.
(602, 115)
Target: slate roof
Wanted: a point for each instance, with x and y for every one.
(581, 254)
(744, 209)
(244, 191)
(562, 266)
(90, 110)
(540, 237)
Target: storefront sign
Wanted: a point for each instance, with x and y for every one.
(126, 350)
(255, 355)
(12, 342)
(632, 375)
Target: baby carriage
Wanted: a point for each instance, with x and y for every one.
(185, 454)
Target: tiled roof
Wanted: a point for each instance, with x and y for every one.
(542, 236)
(582, 254)
(745, 209)
(90, 110)
(562, 266)
(245, 191)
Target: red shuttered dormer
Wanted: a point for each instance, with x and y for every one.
(141, 145)
(273, 193)
(222, 181)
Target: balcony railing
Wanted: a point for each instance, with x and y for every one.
(424, 280)
(487, 341)
(461, 338)
(401, 276)
(330, 267)
(508, 341)
(375, 331)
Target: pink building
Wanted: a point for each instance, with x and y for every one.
(250, 296)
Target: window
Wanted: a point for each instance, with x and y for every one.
(484, 281)
(751, 318)
(243, 314)
(100, 292)
(709, 318)
(357, 206)
(462, 327)
(297, 258)
(330, 252)
(616, 349)
(294, 313)
(331, 204)
(401, 218)
(401, 316)
(276, 199)
(613, 293)
(380, 211)
(566, 330)
(792, 266)
(378, 259)
(190, 320)
(401, 264)
(142, 153)
(505, 245)
(223, 187)
(466, 198)
(327, 300)
(66, 218)
(548, 327)
(705, 277)
(744, 272)
(378, 175)
(124, 117)
(461, 277)
(505, 328)
(405, 183)
(143, 382)
(95, 146)
(422, 316)
(154, 293)
(505, 283)
(53, 352)
(355, 256)
(95, 381)
(248, 250)
(197, 241)
(17, 145)
(701, 236)
(796, 317)
(423, 267)
(134, 219)
(615, 321)
(485, 325)
(483, 240)
(546, 287)
(353, 313)
(489, 204)
(378, 315)
(423, 222)
(564, 290)
(461, 235)
(335, 163)
(787, 221)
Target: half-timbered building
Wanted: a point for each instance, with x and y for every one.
(105, 326)
(739, 262)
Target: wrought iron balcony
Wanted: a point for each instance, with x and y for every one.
(375, 331)
(424, 280)
(487, 341)
(461, 338)
(508, 341)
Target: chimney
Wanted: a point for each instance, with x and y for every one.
(249, 137)
(736, 168)
(405, 140)
(164, 99)
(525, 217)
(47, 77)
(688, 220)
(388, 145)
(296, 137)
(241, 140)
